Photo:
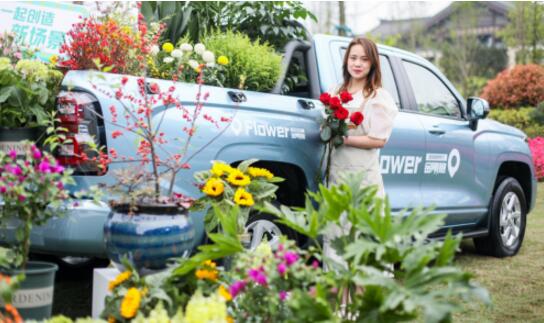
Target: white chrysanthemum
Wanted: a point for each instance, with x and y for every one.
(154, 50)
(168, 60)
(212, 64)
(200, 48)
(193, 64)
(186, 47)
(176, 53)
(208, 57)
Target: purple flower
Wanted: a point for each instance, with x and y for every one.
(283, 295)
(57, 169)
(44, 167)
(36, 153)
(16, 170)
(282, 268)
(315, 264)
(22, 198)
(237, 287)
(257, 276)
(13, 154)
(60, 186)
(3, 189)
(290, 258)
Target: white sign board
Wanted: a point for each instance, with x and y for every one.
(41, 25)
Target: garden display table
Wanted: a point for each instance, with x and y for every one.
(101, 278)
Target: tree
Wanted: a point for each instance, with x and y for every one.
(525, 32)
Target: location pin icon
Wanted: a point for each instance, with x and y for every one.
(454, 161)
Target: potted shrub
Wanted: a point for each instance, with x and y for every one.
(33, 191)
(28, 89)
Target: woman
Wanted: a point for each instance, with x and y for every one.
(362, 78)
(360, 151)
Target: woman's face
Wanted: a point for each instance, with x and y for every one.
(358, 63)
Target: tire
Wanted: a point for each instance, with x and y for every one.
(261, 226)
(508, 217)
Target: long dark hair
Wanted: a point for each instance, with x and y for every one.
(374, 77)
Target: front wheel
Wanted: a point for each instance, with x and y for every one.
(508, 216)
(263, 227)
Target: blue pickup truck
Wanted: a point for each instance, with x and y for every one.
(442, 152)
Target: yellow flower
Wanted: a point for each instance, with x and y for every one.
(213, 187)
(242, 197)
(210, 264)
(224, 293)
(119, 279)
(167, 47)
(220, 169)
(238, 178)
(204, 274)
(54, 59)
(222, 60)
(131, 303)
(230, 319)
(260, 172)
(111, 319)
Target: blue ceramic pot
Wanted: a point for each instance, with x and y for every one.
(149, 237)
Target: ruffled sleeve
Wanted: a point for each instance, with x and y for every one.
(382, 111)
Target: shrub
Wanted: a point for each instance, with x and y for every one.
(520, 86)
(253, 65)
(521, 118)
(537, 149)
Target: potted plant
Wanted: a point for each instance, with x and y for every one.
(33, 191)
(28, 89)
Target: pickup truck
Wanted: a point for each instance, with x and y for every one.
(442, 152)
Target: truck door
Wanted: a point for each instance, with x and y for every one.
(448, 174)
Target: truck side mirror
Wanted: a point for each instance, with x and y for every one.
(477, 109)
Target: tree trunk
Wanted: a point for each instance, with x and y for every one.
(342, 18)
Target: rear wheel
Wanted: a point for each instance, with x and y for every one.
(263, 227)
(508, 216)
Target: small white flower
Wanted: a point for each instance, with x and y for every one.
(200, 48)
(186, 47)
(168, 60)
(212, 64)
(208, 57)
(155, 50)
(176, 53)
(193, 64)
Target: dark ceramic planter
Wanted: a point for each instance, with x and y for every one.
(10, 138)
(150, 237)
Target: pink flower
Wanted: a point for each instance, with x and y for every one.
(44, 167)
(258, 276)
(116, 134)
(15, 170)
(3, 189)
(237, 287)
(22, 198)
(282, 268)
(315, 264)
(12, 154)
(60, 186)
(36, 153)
(290, 258)
(283, 295)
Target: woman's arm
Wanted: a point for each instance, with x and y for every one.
(364, 142)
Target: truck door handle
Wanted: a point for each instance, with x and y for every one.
(437, 132)
(306, 105)
(237, 96)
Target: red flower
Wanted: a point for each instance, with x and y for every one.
(154, 88)
(116, 134)
(325, 98)
(341, 113)
(345, 96)
(357, 118)
(334, 103)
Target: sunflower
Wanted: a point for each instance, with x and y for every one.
(260, 172)
(238, 178)
(243, 198)
(220, 169)
(214, 187)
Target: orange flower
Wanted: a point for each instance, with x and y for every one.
(131, 303)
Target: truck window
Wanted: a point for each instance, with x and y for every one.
(296, 81)
(432, 96)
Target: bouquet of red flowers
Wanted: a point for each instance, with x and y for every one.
(335, 124)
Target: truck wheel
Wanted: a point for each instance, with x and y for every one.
(508, 216)
(264, 227)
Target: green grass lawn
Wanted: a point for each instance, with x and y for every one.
(516, 284)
